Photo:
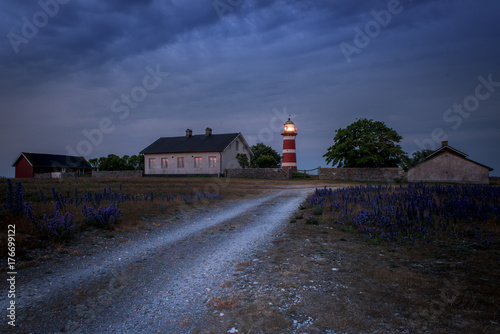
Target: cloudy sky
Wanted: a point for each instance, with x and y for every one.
(88, 77)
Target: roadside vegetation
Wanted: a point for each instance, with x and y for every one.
(375, 259)
(464, 215)
(47, 213)
(359, 259)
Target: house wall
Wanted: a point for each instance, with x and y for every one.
(188, 169)
(45, 170)
(448, 167)
(23, 169)
(229, 155)
(62, 170)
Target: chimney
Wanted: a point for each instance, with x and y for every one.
(444, 143)
(189, 133)
(208, 132)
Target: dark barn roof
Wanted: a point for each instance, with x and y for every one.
(54, 160)
(197, 143)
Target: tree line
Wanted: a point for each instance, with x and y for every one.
(365, 143)
(113, 162)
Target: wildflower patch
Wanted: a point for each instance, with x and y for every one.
(463, 213)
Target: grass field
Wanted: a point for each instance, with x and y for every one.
(337, 271)
(437, 273)
(54, 202)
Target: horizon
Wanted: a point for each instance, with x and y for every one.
(133, 71)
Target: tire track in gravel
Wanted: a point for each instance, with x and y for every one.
(157, 284)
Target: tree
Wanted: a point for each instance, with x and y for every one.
(94, 163)
(416, 158)
(260, 149)
(243, 160)
(366, 143)
(113, 162)
(266, 161)
(136, 162)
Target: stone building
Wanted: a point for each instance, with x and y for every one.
(448, 164)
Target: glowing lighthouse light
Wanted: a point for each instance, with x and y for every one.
(289, 153)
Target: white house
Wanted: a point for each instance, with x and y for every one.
(206, 154)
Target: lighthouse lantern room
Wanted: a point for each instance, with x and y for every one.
(289, 152)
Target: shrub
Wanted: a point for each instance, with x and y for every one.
(14, 198)
(463, 213)
(312, 220)
(53, 226)
(103, 217)
(318, 211)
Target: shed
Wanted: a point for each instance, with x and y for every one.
(450, 165)
(37, 165)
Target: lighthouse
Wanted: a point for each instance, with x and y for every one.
(289, 153)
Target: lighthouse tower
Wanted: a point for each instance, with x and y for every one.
(289, 154)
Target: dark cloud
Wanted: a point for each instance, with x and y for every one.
(231, 69)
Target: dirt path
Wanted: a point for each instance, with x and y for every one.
(158, 282)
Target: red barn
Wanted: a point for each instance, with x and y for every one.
(29, 165)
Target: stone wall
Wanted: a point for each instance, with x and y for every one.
(362, 174)
(261, 173)
(117, 173)
(54, 175)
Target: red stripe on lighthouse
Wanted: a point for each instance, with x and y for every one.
(289, 144)
(289, 152)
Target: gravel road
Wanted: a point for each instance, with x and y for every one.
(157, 282)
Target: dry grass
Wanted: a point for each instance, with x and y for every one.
(135, 215)
(428, 287)
(223, 303)
(227, 284)
(243, 265)
(424, 288)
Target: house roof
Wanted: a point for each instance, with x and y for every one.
(445, 148)
(53, 160)
(196, 143)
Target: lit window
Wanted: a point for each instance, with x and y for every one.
(180, 162)
(164, 162)
(197, 162)
(212, 161)
(152, 162)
